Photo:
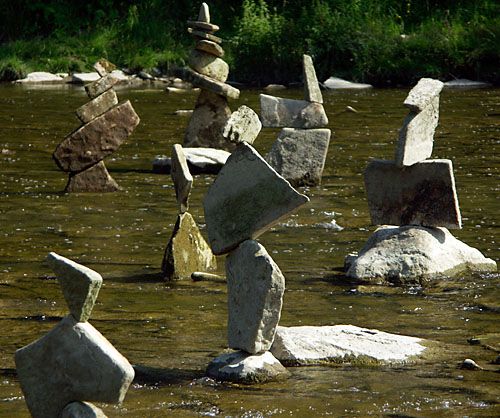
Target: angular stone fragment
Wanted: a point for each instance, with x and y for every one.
(204, 14)
(200, 161)
(242, 126)
(205, 126)
(423, 94)
(103, 67)
(72, 362)
(209, 65)
(80, 285)
(255, 287)
(210, 47)
(95, 179)
(277, 112)
(82, 410)
(311, 85)
(100, 86)
(299, 155)
(204, 82)
(97, 106)
(187, 251)
(241, 367)
(204, 35)
(97, 139)
(204, 26)
(422, 194)
(182, 178)
(247, 198)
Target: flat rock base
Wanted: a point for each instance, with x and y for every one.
(95, 179)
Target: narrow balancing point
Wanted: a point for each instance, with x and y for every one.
(311, 85)
(182, 178)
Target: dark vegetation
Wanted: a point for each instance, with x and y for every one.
(384, 42)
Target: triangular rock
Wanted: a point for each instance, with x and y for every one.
(311, 85)
(95, 179)
(182, 178)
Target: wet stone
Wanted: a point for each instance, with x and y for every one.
(208, 65)
(103, 67)
(182, 178)
(242, 126)
(97, 106)
(210, 47)
(206, 83)
(95, 179)
(204, 35)
(82, 410)
(100, 86)
(311, 85)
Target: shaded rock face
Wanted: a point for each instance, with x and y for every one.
(311, 85)
(81, 410)
(94, 179)
(412, 254)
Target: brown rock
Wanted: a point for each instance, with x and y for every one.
(210, 47)
(97, 106)
(100, 86)
(103, 67)
(95, 179)
(205, 26)
(204, 35)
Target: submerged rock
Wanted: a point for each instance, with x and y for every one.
(463, 83)
(339, 83)
(182, 178)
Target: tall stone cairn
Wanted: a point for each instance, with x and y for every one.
(106, 124)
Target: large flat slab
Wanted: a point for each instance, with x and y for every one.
(423, 194)
(247, 198)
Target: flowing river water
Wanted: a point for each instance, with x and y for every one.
(170, 331)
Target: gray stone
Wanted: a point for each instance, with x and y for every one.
(82, 410)
(204, 14)
(187, 251)
(204, 35)
(255, 287)
(274, 87)
(97, 106)
(242, 126)
(209, 65)
(414, 254)
(246, 199)
(97, 139)
(40, 77)
(81, 78)
(210, 47)
(70, 363)
(95, 179)
(423, 94)
(80, 285)
(338, 83)
(182, 178)
(311, 85)
(205, 126)
(241, 367)
(103, 67)
(463, 83)
(100, 86)
(308, 345)
(277, 112)
(200, 161)
(204, 26)
(422, 194)
(299, 155)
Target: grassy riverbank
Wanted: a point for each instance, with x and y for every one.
(384, 42)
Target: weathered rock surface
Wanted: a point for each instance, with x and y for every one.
(97, 106)
(299, 155)
(339, 83)
(205, 126)
(209, 65)
(247, 198)
(210, 47)
(422, 194)
(204, 35)
(72, 362)
(311, 85)
(200, 161)
(241, 367)
(101, 85)
(413, 254)
(187, 251)
(182, 178)
(103, 67)
(277, 112)
(242, 126)
(97, 139)
(40, 77)
(95, 179)
(307, 345)
(80, 285)
(255, 287)
(423, 94)
(81, 410)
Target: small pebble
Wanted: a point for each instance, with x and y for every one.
(470, 364)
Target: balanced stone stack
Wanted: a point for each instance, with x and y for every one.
(299, 152)
(187, 251)
(247, 198)
(418, 196)
(106, 124)
(73, 364)
(210, 73)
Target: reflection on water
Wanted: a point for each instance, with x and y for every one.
(170, 331)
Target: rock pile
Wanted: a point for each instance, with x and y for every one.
(299, 152)
(210, 73)
(106, 124)
(418, 196)
(187, 251)
(248, 197)
(73, 364)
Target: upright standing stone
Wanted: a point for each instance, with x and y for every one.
(311, 85)
(204, 14)
(242, 126)
(182, 178)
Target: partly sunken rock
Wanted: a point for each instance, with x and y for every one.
(423, 194)
(182, 178)
(95, 179)
(311, 85)
(81, 410)
(97, 139)
(72, 362)
(103, 67)
(100, 86)
(242, 126)
(200, 161)
(241, 367)
(247, 198)
(97, 106)
(210, 47)
(255, 287)
(413, 254)
(339, 83)
(209, 65)
(299, 155)
(277, 112)
(423, 94)
(307, 345)
(80, 285)
(187, 251)
(204, 82)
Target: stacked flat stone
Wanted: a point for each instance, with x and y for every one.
(73, 364)
(209, 74)
(246, 199)
(187, 251)
(299, 152)
(106, 124)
